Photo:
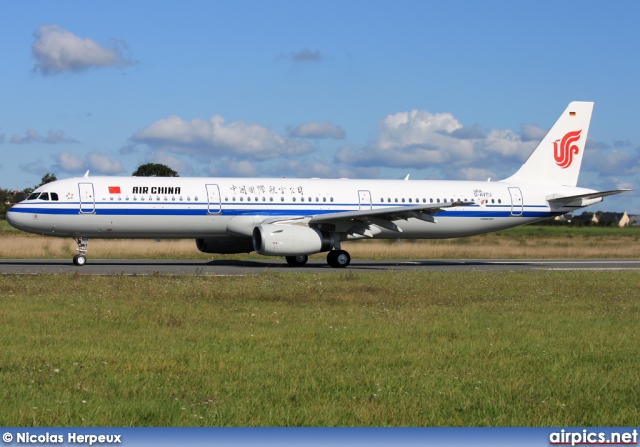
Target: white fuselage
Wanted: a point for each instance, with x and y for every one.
(155, 207)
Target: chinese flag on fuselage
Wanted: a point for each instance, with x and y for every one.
(114, 190)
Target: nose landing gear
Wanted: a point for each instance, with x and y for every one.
(80, 259)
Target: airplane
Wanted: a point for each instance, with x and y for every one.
(298, 217)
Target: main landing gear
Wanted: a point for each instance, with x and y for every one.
(80, 259)
(338, 259)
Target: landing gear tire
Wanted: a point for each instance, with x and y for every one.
(338, 259)
(80, 259)
(297, 261)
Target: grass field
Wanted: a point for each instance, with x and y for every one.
(528, 242)
(350, 349)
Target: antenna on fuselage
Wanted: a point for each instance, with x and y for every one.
(86, 174)
(407, 177)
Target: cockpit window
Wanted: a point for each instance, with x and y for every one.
(44, 196)
(33, 196)
(54, 196)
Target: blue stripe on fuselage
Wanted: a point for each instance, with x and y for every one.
(262, 209)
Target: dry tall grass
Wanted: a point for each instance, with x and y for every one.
(478, 247)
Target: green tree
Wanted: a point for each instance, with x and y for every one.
(47, 178)
(154, 170)
(5, 198)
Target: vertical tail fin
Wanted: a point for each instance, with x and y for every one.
(558, 157)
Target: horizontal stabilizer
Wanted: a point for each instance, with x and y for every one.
(555, 198)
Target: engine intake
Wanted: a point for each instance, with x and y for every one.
(290, 240)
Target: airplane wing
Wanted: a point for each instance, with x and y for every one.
(369, 222)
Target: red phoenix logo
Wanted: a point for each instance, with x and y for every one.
(564, 152)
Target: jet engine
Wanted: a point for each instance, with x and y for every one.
(223, 246)
(290, 240)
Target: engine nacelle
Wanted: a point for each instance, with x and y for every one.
(224, 247)
(290, 240)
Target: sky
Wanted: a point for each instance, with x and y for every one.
(360, 89)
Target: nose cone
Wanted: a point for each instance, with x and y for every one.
(15, 218)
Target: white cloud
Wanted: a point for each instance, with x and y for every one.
(419, 139)
(102, 165)
(57, 51)
(508, 143)
(416, 139)
(234, 168)
(531, 132)
(73, 163)
(32, 136)
(477, 174)
(215, 138)
(303, 169)
(612, 162)
(323, 129)
(69, 162)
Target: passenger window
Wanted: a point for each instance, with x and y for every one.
(324, 199)
(294, 199)
(282, 199)
(331, 199)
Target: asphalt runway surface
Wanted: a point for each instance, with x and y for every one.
(240, 268)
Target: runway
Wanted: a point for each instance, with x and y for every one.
(240, 268)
